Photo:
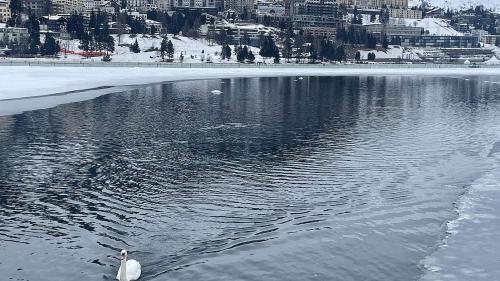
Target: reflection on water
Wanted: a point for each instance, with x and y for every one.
(345, 178)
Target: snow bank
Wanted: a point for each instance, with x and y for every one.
(29, 81)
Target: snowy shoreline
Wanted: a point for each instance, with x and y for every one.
(35, 81)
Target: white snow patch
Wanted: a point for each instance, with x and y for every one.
(433, 25)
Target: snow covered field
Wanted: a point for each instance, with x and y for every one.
(193, 50)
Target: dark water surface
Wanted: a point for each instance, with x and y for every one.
(332, 178)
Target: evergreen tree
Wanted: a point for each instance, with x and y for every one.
(242, 54)
(135, 47)
(287, 48)
(384, 15)
(50, 47)
(299, 47)
(76, 26)
(385, 42)
(276, 56)
(34, 31)
(110, 44)
(358, 56)
(250, 57)
(268, 47)
(497, 42)
(228, 52)
(86, 42)
(340, 53)
(170, 50)
(163, 48)
(16, 8)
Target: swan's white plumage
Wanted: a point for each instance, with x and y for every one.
(132, 269)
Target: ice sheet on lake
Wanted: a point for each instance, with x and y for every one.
(471, 251)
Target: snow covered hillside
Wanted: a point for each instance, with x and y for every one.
(434, 26)
(459, 4)
(193, 50)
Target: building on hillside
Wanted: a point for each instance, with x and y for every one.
(38, 7)
(271, 14)
(153, 25)
(316, 13)
(462, 27)
(434, 13)
(389, 30)
(14, 35)
(4, 11)
(377, 4)
(320, 32)
(142, 5)
(164, 5)
(66, 6)
(137, 15)
(118, 28)
(243, 32)
(346, 2)
(490, 39)
(208, 6)
(405, 13)
(53, 24)
(435, 41)
(242, 7)
(479, 33)
(93, 6)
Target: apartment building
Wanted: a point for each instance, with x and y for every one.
(4, 10)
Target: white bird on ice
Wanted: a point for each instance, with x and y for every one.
(216, 92)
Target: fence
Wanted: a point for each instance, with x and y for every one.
(233, 65)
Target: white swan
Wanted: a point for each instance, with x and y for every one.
(216, 92)
(129, 269)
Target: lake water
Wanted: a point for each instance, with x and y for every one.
(325, 178)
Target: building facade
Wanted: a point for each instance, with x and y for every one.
(436, 41)
(38, 7)
(15, 35)
(316, 13)
(66, 6)
(4, 10)
(240, 6)
(405, 13)
(389, 30)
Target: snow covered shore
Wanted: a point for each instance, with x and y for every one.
(30, 81)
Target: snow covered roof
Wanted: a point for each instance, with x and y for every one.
(55, 18)
(492, 61)
(148, 21)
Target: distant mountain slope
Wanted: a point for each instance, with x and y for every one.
(459, 4)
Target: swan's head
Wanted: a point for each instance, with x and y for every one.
(123, 255)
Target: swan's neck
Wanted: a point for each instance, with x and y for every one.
(123, 271)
